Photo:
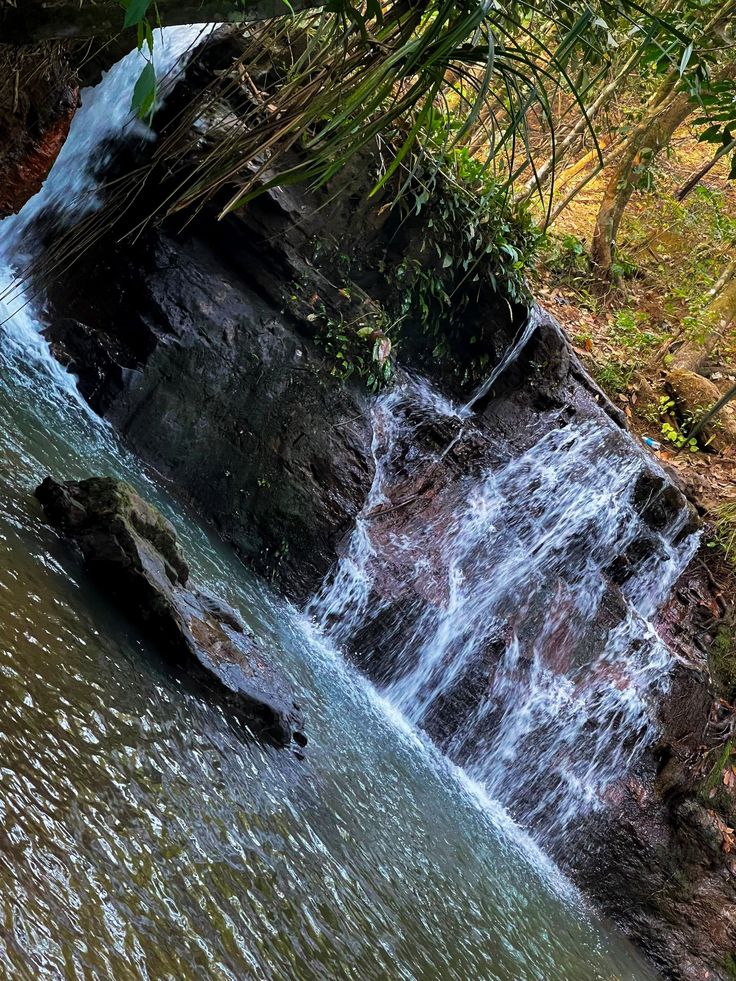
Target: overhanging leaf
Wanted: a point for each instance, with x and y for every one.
(135, 11)
(144, 93)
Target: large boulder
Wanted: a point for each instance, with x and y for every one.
(694, 395)
(132, 551)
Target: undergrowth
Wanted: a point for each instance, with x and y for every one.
(358, 347)
(471, 244)
(723, 535)
(670, 254)
(460, 243)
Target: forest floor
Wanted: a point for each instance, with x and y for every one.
(670, 254)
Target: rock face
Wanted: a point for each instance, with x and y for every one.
(31, 21)
(193, 351)
(132, 552)
(38, 99)
(659, 859)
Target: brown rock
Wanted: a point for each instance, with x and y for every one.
(693, 395)
(38, 99)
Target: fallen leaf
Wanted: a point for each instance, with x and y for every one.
(383, 350)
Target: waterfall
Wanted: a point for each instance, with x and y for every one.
(105, 113)
(511, 354)
(513, 616)
(489, 614)
(72, 188)
(148, 836)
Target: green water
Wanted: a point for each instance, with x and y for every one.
(143, 835)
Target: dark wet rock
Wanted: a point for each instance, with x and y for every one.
(189, 347)
(29, 21)
(133, 554)
(660, 502)
(659, 859)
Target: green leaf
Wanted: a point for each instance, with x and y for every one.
(711, 135)
(144, 93)
(135, 11)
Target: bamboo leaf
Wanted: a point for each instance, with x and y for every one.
(144, 93)
(135, 11)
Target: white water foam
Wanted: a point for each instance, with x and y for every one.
(470, 790)
(511, 354)
(563, 667)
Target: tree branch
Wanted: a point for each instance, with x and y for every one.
(31, 21)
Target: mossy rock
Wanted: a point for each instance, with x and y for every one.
(133, 553)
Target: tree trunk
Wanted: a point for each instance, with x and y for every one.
(668, 110)
(40, 20)
(647, 139)
(571, 195)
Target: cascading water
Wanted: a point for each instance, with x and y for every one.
(512, 353)
(142, 836)
(524, 639)
(72, 188)
(104, 113)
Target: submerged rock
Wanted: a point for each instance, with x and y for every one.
(132, 551)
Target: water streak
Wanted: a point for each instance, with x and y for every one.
(511, 354)
(72, 187)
